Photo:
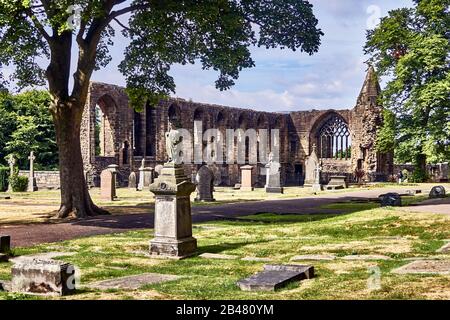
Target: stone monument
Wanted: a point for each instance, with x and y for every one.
(205, 185)
(114, 168)
(316, 185)
(173, 221)
(107, 185)
(246, 178)
(310, 167)
(145, 176)
(273, 184)
(11, 161)
(132, 181)
(32, 187)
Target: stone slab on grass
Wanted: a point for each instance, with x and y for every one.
(275, 277)
(218, 256)
(132, 282)
(314, 257)
(367, 257)
(425, 267)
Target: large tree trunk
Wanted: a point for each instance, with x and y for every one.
(75, 198)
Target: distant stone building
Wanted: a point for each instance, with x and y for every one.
(113, 133)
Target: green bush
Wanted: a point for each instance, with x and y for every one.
(4, 175)
(419, 175)
(19, 183)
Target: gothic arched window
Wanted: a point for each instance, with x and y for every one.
(334, 139)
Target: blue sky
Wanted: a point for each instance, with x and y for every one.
(283, 80)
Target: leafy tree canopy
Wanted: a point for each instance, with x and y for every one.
(217, 33)
(411, 47)
(27, 126)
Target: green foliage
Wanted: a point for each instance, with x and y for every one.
(419, 175)
(27, 126)
(4, 175)
(162, 33)
(412, 47)
(386, 135)
(18, 183)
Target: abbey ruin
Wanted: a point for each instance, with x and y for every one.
(113, 133)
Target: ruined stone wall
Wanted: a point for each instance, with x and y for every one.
(128, 136)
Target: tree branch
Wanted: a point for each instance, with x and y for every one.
(121, 24)
(38, 24)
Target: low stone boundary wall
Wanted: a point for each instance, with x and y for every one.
(45, 179)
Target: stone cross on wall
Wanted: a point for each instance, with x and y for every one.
(317, 172)
(11, 161)
(31, 179)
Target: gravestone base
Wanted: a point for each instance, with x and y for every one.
(317, 187)
(205, 200)
(274, 190)
(43, 277)
(173, 249)
(173, 220)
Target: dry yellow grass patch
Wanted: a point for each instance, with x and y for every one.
(346, 267)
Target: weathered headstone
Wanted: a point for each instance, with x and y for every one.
(145, 176)
(205, 185)
(437, 192)
(246, 178)
(316, 187)
(5, 243)
(390, 200)
(47, 277)
(107, 185)
(132, 181)
(173, 220)
(32, 187)
(114, 169)
(132, 282)
(11, 161)
(310, 166)
(275, 277)
(273, 184)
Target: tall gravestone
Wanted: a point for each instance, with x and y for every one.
(114, 168)
(205, 185)
(145, 176)
(173, 221)
(273, 184)
(132, 181)
(246, 178)
(107, 185)
(32, 186)
(11, 161)
(316, 185)
(311, 164)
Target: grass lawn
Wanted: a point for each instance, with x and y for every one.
(42, 206)
(364, 230)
